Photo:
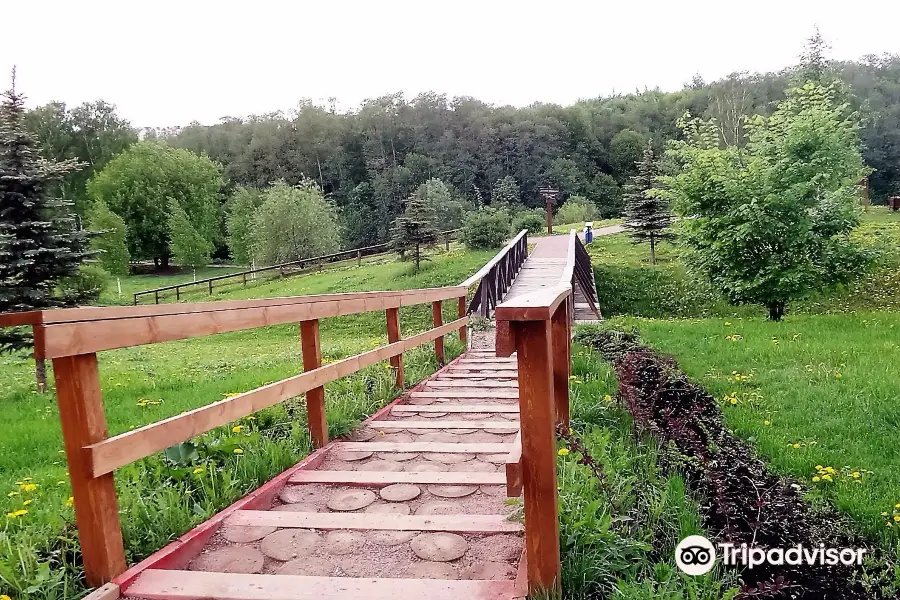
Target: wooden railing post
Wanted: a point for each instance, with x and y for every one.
(315, 398)
(96, 507)
(437, 317)
(463, 334)
(536, 374)
(393, 333)
(561, 362)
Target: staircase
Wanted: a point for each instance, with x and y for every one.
(414, 505)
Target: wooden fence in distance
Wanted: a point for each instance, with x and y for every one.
(73, 337)
(282, 268)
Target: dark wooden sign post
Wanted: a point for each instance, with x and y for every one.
(550, 194)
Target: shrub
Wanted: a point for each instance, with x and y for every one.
(575, 210)
(85, 286)
(486, 228)
(533, 220)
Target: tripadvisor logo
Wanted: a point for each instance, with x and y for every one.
(696, 555)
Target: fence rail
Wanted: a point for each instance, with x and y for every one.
(496, 277)
(73, 337)
(294, 265)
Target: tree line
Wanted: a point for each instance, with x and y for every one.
(367, 162)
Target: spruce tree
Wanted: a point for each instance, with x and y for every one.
(415, 228)
(647, 216)
(40, 242)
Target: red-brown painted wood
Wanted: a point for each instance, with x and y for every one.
(393, 332)
(315, 398)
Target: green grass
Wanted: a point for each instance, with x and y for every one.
(627, 284)
(618, 538)
(159, 501)
(813, 390)
(139, 283)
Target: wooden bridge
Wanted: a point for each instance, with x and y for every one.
(411, 505)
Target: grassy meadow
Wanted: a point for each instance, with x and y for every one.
(159, 499)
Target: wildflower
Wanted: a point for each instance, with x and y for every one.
(819, 467)
(237, 428)
(884, 514)
(572, 377)
(16, 514)
(816, 478)
(11, 494)
(827, 477)
(4, 597)
(70, 501)
(795, 445)
(897, 518)
(897, 505)
(198, 470)
(837, 375)
(27, 502)
(607, 398)
(238, 451)
(767, 422)
(855, 475)
(28, 487)
(563, 452)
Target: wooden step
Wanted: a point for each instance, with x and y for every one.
(457, 408)
(375, 522)
(508, 425)
(479, 375)
(157, 584)
(451, 383)
(443, 448)
(381, 478)
(487, 394)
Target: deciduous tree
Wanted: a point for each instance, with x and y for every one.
(110, 238)
(138, 185)
(293, 222)
(769, 222)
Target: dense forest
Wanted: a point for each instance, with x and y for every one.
(368, 161)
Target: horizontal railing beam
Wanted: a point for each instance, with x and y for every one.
(83, 337)
(535, 306)
(110, 454)
(491, 263)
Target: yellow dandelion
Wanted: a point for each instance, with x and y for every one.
(838, 375)
(27, 502)
(607, 398)
(238, 451)
(563, 452)
(795, 446)
(816, 478)
(4, 597)
(572, 377)
(827, 477)
(16, 514)
(855, 474)
(237, 428)
(29, 487)
(198, 470)
(70, 501)
(767, 422)
(897, 518)
(734, 401)
(819, 467)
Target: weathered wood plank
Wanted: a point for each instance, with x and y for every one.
(315, 398)
(459, 408)
(375, 522)
(407, 424)
(444, 448)
(83, 337)
(534, 347)
(156, 584)
(484, 385)
(377, 478)
(393, 333)
(514, 469)
(126, 448)
(96, 506)
(437, 319)
(484, 394)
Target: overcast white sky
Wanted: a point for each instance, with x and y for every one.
(167, 63)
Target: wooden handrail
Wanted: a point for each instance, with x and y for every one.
(497, 258)
(118, 451)
(72, 338)
(358, 253)
(114, 328)
(496, 277)
(539, 326)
